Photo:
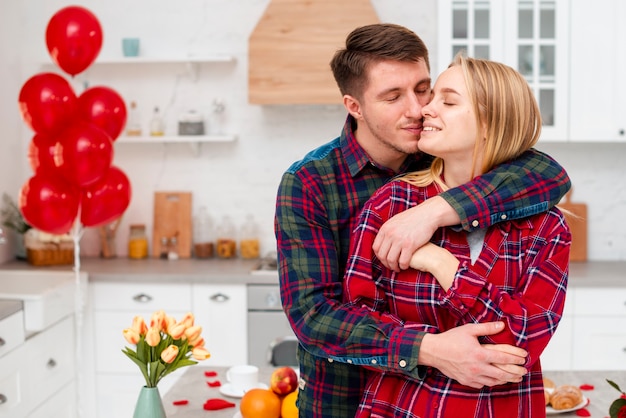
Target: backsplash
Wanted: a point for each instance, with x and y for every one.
(241, 177)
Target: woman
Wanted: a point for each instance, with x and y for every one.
(482, 114)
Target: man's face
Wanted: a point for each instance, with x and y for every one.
(390, 109)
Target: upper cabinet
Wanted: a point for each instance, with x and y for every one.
(598, 89)
(529, 35)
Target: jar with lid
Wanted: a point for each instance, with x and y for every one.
(226, 238)
(202, 234)
(191, 123)
(137, 242)
(249, 239)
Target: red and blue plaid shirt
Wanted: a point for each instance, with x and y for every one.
(319, 199)
(520, 277)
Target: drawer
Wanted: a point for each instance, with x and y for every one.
(599, 343)
(600, 301)
(11, 332)
(132, 297)
(62, 404)
(51, 360)
(13, 397)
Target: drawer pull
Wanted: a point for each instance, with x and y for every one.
(3, 399)
(219, 297)
(142, 298)
(51, 363)
(2, 342)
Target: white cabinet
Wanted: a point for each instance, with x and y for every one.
(598, 88)
(221, 310)
(531, 36)
(558, 353)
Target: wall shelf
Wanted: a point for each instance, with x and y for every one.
(193, 140)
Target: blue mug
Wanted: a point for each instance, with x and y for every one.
(130, 47)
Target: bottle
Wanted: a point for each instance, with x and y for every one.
(137, 242)
(249, 239)
(202, 234)
(133, 127)
(157, 126)
(226, 242)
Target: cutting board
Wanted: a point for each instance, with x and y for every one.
(291, 47)
(172, 218)
(576, 217)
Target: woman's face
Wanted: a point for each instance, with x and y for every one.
(450, 128)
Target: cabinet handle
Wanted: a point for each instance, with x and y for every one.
(2, 342)
(219, 297)
(142, 298)
(51, 363)
(3, 399)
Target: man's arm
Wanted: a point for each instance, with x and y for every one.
(531, 184)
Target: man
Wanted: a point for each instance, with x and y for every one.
(383, 75)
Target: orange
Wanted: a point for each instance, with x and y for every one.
(288, 408)
(260, 403)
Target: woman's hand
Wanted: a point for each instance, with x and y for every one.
(437, 261)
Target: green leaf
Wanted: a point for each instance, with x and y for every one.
(614, 385)
(616, 406)
(142, 366)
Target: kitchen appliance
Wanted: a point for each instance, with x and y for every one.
(267, 323)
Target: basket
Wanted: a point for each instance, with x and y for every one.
(51, 255)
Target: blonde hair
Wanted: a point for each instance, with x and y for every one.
(504, 103)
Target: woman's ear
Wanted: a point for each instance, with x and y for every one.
(353, 106)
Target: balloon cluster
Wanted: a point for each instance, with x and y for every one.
(71, 153)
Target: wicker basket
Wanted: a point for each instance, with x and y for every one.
(51, 255)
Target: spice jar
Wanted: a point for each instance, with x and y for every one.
(226, 242)
(202, 234)
(137, 242)
(249, 239)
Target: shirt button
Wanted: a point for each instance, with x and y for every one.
(503, 216)
(475, 223)
(330, 360)
(402, 363)
(374, 361)
(349, 361)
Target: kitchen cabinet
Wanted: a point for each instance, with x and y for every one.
(598, 87)
(221, 310)
(558, 353)
(529, 35)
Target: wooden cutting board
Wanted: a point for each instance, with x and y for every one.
(172, 218)
(291, 47)
(577, 221)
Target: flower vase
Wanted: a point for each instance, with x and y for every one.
(149, 404)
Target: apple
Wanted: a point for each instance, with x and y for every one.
(284, 380)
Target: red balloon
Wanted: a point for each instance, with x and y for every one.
(85, 153)
(105, 200)
(74, 39)
(47, 102)
(41, 154)
(103, 107)
(49, 204)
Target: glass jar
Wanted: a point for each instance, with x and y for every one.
(249, 239)
(137, 242)
(202, 234)
(226, 239)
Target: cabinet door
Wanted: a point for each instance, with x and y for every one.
(62, 405)
(600, 343)
(558, 354)
(598, 38)
(529, 35)
(221, 311)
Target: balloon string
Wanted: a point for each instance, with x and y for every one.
(77, 232)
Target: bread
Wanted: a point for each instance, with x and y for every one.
(565, 397)
(547, 395)
(548, 384)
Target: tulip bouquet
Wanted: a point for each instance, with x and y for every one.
(165, 346)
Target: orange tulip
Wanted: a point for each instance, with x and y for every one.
(192, 333)
(188, 320)
(169, 323)
(139, 325)
(177, 331)
(200, 353)
(131, 335)
(158, 320)
(199, 342)
(169, 354)
(153, 337)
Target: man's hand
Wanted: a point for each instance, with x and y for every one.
(405, 232)
(458, 354)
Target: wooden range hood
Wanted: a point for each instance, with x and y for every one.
(291, 47)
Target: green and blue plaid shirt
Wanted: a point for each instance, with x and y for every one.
(318, 202)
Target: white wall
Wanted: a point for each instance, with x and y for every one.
(236, 178)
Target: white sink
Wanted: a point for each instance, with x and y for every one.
(47, 296)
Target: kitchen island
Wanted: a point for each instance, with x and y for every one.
(193, 387)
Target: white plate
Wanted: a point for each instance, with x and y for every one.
(581, 405)
(227, 390)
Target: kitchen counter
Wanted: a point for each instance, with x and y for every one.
(193, 387)
(9, 307)
(238, 271)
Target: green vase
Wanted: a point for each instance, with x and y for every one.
(149, 404)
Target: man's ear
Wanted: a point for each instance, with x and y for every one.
(353, 106)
